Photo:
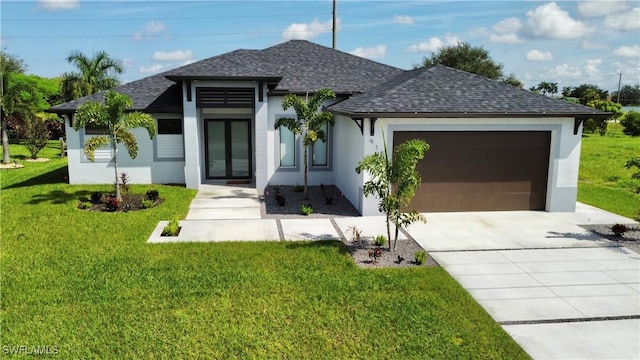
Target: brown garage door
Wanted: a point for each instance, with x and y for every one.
(481, 170)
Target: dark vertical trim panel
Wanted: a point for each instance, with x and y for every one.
(189, 97)
(260, 91)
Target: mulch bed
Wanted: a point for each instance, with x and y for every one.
(326, 201)
(403, 257)
(338, 206)
(629, 239)
(130, 202)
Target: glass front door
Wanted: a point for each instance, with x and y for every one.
(228, 153)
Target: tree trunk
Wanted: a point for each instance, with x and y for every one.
(5, 139)
(395, 239)
(115, 169)
(388, 232)
(306, 191)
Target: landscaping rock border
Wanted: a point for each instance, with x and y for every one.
(630, 239)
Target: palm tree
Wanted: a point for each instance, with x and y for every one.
(95, 74)
(112, 117)
(309, 123)
(9, 96)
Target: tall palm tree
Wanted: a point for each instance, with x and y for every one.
(309, 123)
(118, 122)
(94, 74)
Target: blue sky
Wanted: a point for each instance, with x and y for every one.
(568, 42)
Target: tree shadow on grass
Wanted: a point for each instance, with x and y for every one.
(59, 197)
(318, 244)
(56, 176)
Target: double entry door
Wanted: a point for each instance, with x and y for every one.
(228, 148)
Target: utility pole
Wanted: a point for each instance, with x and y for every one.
(619, 82)
(335, 5)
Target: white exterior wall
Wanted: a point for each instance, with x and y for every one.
(349, 145)
(277, 176)
(141, 170)
(564, 159)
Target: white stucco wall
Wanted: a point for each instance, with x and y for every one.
(349, 144)
(144, 169)
(564, 158)
(281, 176)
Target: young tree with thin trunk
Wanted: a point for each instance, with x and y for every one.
(309, 123)
(117, 122)
(394, 182)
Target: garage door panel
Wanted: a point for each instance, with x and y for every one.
(475, 171)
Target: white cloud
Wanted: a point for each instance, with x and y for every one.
(628, 51)
(593, 45)
(551, 22)
(623, 22)
(149, 29)
(591, 67)
(565, 72)
(434, 44)
(307, 31)
(154, 27)
(176, 55)
(601, 8)
(505, 39)
(151, 69)
(126, 62)
(507, 26)
(375, 52)
(55, 5)
(403, 19)
(537, 55)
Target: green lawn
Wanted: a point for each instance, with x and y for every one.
(604, 182)
(88, 284)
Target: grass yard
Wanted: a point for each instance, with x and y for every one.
(87, 285)
(604, 182)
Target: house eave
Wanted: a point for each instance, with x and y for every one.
(359, 115)
(223, 78)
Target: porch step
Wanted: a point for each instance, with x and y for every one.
(224, 213)
(224, 202)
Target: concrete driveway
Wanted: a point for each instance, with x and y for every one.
(558, 290)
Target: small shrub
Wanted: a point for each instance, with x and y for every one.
(591, 126)
(355, 233)
(420, 257)
(152, 195)
(112, 204)
(298, 188)
(375, 254)
(619, 229)
(280, 200)
(328, 200)
(172, 228)
(36, 135)
(276, 189)
(147, 204)
(631, 123)
(84, 205)
(323, 188)
(124, 182)
(306, 210)
(96, 197)
(380, 240)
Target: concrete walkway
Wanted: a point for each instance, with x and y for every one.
(560, 291)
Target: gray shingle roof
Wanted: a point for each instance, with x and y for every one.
(306, 66)
(152, 94)
(296, 66)
(441, 91)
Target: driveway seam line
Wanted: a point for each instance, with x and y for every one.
(569, 320)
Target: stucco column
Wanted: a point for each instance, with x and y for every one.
(261, 143)
(191, 141)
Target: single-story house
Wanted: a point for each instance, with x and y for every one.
(493, 146)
